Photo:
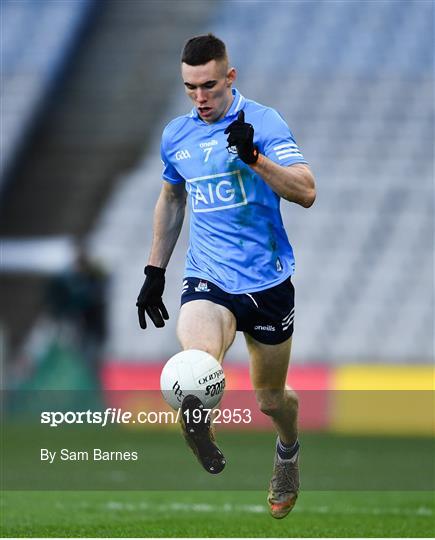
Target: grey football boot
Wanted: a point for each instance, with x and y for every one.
(284, 486)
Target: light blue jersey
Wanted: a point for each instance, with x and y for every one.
(237, 238)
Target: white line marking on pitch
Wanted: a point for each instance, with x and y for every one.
(422, 511)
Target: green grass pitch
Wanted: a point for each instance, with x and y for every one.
(220, 514)
(335, 501)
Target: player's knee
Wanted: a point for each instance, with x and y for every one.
(215, 350)
(272, 403)
(270, 408)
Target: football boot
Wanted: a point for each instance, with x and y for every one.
(198, 433)
(284, 486)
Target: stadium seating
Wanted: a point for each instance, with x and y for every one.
(36, 37)
(354, 81)
(95, 123)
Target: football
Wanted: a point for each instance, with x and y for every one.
(192, 372)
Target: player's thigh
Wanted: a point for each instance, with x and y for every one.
(268, 363)
(206, 326)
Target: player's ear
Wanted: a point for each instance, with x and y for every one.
(231, 76)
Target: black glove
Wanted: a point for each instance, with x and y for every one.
(150, 298)
(241, 135)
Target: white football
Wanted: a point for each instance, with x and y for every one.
(192, 372)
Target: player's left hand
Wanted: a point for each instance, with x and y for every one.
(241, 135)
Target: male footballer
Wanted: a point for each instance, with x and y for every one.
(234, 160)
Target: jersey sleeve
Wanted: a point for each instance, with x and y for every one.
(278, 143)
(170, 173)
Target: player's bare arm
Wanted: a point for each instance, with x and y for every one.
(294, 183)
(168, 221)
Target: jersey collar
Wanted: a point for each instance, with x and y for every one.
(237, 104)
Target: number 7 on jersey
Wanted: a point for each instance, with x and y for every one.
(207, 152)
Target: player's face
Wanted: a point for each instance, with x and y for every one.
(209, 88)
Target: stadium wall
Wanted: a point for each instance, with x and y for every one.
(354, 399)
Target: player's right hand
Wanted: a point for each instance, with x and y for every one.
(150, 298)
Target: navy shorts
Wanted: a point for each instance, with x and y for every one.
(266, 315)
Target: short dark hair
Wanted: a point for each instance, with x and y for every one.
(201, 49)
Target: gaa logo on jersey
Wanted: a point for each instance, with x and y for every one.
(217, 192)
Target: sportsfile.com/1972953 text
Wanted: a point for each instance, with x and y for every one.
(113, 416)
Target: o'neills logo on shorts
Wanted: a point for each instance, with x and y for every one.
(268, 328)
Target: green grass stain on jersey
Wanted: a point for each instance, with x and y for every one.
(272, 240)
